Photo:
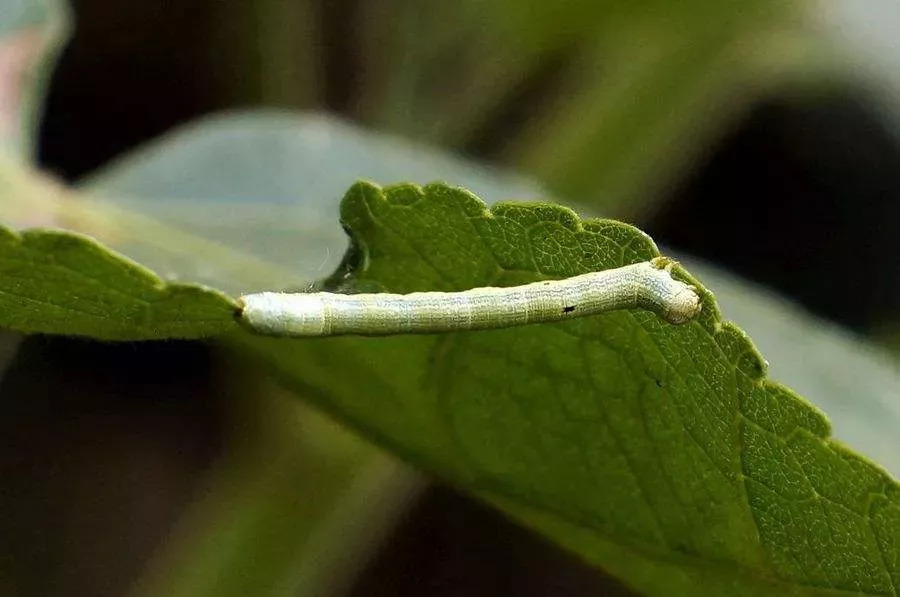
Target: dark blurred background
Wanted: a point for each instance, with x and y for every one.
(785, 178)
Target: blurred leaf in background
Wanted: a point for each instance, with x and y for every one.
(601, 100)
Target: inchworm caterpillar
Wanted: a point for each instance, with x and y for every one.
(646, 285)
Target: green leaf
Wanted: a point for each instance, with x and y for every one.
(850, 380)
(666, 442)
(237, 204)
(247, 201)
(717, 481)
(65, 283)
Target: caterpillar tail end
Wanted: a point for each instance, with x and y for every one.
(685, 306)
(685, 302)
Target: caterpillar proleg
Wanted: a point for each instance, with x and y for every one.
(646, 285)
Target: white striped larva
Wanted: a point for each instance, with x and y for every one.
(646, 285)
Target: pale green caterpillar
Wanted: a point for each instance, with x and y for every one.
(646, 285)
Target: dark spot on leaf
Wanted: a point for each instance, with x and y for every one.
(568, 309)
(659, 383)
